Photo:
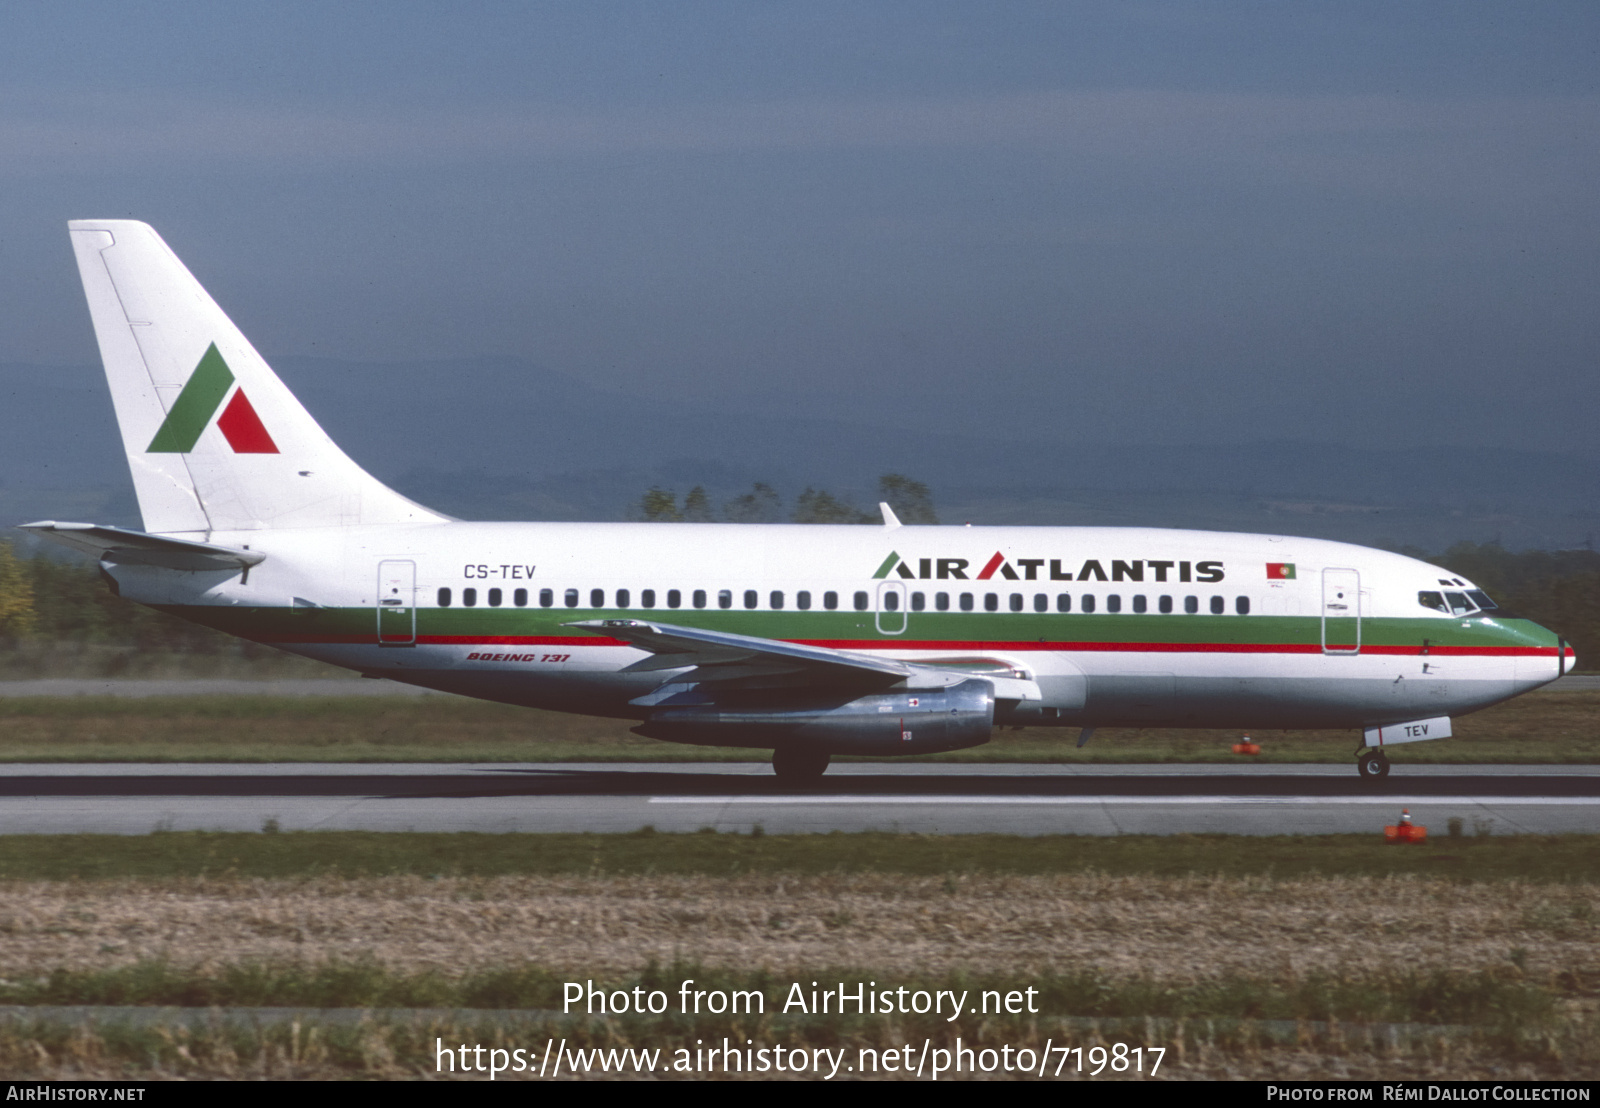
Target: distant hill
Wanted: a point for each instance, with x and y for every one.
(502, 438)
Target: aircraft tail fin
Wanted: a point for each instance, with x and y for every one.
(215, 440)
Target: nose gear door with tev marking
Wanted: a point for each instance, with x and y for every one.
(397, 604)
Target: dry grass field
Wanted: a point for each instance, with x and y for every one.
(1206, 954)
(1169, 929)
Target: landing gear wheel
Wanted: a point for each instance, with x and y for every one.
(1373, 765)
(799, 766)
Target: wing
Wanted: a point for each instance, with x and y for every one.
(724, 659)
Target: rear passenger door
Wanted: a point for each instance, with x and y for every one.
(397, 603)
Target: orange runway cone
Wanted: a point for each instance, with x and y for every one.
(1405, 831)
(1245, 746)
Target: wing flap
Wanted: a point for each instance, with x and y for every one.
(723, 657)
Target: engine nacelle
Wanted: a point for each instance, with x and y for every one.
(902, 721)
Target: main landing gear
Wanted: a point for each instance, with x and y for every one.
(1373, 765)
(798, 765)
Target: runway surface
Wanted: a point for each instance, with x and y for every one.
(131, 799)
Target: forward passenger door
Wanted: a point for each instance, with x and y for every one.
(1341, 611)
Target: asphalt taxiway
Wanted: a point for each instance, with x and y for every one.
(137, 798)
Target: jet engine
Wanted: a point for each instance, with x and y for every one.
(901, 721)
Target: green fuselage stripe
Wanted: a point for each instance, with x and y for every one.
(925, 630)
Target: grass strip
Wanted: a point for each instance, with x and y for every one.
(1555, 859)
(1556, 728)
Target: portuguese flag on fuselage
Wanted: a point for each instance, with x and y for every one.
(1280, 571)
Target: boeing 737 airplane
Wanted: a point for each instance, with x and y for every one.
(804, 639)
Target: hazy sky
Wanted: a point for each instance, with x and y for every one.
(1367, 223)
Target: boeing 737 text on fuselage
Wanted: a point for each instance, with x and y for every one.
(807, 640)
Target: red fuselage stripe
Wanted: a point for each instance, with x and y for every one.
(969, 644)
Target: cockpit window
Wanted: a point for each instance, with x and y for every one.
(1458, 603)
(1481, 599)
(1433, 600)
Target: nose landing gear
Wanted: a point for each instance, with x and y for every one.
(1373, 765)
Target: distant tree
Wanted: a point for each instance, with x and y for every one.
(760, 505)
(660, 506)
(71, 603)
(818, 506)
(911, 500)
(17, 617)
(697, 507)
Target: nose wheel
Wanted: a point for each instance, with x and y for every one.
(1373, 765)
(799, 766)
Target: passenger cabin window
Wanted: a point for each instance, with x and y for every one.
(444, 598)
(862, 601)
(1241, 605)
(1063, 602)
(966, 602)
(1165, 605)
(941, 601)
(622, 598)
(891, 601)
(1218, 605)
(919, 601)
(1087, 604)
(570, 598)
(647, 598)
(725, 598)
(1191, 604)
(1041, 602)
(469, 597)
(991, 602)
(1016, 602)
(674, 598)
(830, 600)
(547, 598)
(597, 598)
(699, 598)
(751, 598)
(802, 600)
(775, 600)
(1113, 603)
(520, 598)
(1139, 604)
(494, 598)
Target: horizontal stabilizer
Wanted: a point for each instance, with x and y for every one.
(123, 547)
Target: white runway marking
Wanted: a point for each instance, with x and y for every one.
(1381, 801)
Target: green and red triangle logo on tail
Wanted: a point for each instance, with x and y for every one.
(202, 395)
